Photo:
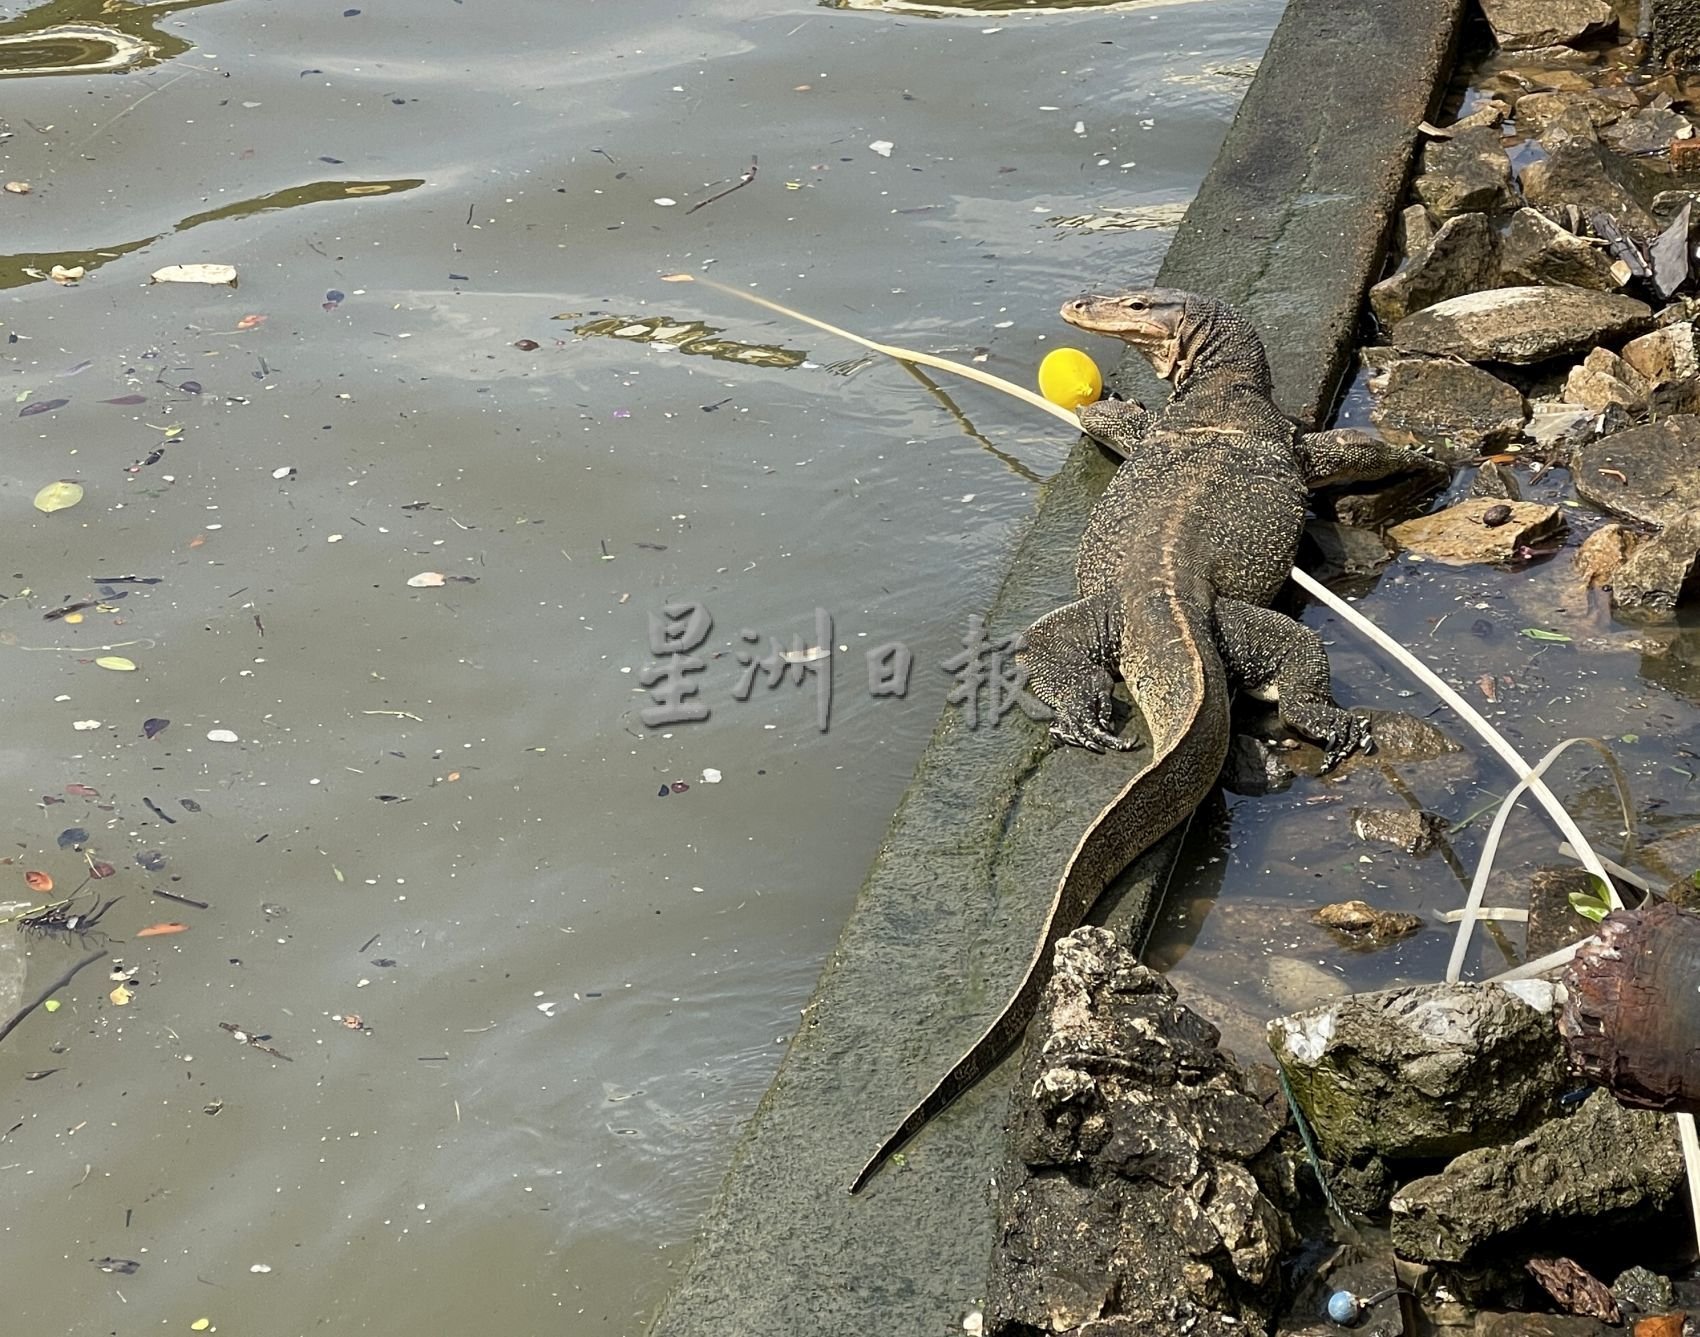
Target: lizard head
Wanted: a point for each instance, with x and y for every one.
(1179, 333)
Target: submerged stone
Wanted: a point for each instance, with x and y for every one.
(1526, 324)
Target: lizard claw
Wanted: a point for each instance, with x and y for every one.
(1353, 736)
(1089, 736)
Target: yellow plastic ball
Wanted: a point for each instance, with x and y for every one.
(1069, 378)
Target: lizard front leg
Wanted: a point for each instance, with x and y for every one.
(1117, 424)
(1346, 455)
(1266, 652)
(1066, 657)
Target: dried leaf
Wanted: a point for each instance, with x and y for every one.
(117, 663)
(60, 274)
(42, 406)
(17, 187)
(72, 836)
(99, 869)
(221, 736)
(127, 399)
(152, 728)
(58, 496)
(38, 881)
(251, 321)
(196, 274)
(1575, 1288)
(121, 996)
(427, 580)
(161, 930)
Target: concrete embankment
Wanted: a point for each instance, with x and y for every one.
(1290, 225)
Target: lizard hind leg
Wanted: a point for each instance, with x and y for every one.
(1066, 655)
(1265, 650)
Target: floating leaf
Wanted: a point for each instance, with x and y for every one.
(52, 1005)
(252, 321)
(189, 805)
(526, 345)
(190, 387)
(152, 860)
(427, 580)
(42, 406)
(160, 930)
(58, 496)
(221, 736)
(196, 274)
(99, 869)
(117, 663)
(127, 399)
(152, 728)
(1540, 634)
(71, 836)
(121, 996)
(17, 187)
(82, 791)
(38, 881)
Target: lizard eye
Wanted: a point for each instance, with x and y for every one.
(1134, 303)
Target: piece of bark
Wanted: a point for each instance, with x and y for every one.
(1632, 1018)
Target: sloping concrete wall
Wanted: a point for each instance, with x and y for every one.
(1290, 225)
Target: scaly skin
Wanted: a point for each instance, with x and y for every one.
(1191, 540)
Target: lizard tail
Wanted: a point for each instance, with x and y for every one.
(1175, 674)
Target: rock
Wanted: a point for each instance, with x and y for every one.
(1514, 81)
(1387, 502)
(1577, 171)
(1408, 829)
(1423, 1071)
(1550, 57)
(1295, 983)
(1649, 130)
(1553, 923)
(1255, 769)
(1461, 257)
(1602, 552)
(1650, 473)
(1359, 922)
(1416, 230)
(1128, 1188)
(1401, 737)
(1526, 324)
(1519, 1324)
(1496, 481)
(1459, 536)
(1603, 379)
(1576, 1174)
(1659, 570)
(1468, 173)
(1536, 250)
(1642, 1291)
(1452, 406)
(1520, 24)
(1345, 551)
(1665, 355)
(1539, 112)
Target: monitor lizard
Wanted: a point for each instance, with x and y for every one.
(1180, 557)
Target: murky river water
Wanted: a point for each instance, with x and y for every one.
(514, 1003)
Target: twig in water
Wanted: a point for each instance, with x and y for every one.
(48, 992)
(748, 176)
